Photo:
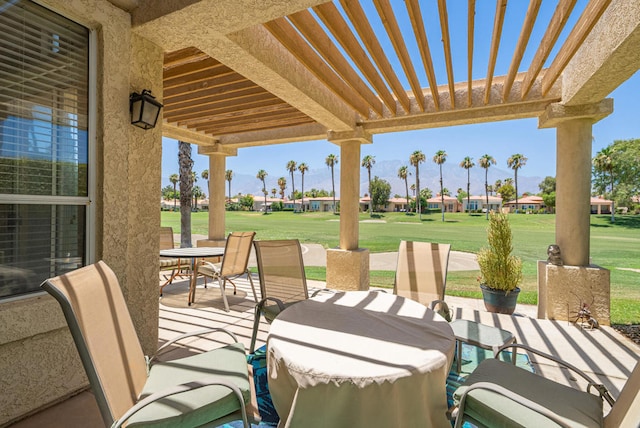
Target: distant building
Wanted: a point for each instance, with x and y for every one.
(599, 205)
(531, 203)
(479, 204)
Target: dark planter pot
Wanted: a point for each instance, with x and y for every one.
(498, 301)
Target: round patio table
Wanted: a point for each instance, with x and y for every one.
(194, 254)
(359, 359)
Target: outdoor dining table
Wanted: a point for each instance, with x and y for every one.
(359, 359)
(194, 254)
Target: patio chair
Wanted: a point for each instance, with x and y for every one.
(188, 392)
(169, 264)
(282, 280)
(421, 274)
(497, 393)
(234, 264)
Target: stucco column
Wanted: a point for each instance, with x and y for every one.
(348, 265)
(349, 194)
(573, 190)
(562, 289)
(217, 198)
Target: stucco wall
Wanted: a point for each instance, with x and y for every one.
(39, 364)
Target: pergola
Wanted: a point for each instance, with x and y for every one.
(240, 74)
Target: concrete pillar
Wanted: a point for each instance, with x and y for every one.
(348, 266)
(563, 289)
(573, 190)
(217, 197)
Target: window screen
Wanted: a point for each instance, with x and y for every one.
(44, 68)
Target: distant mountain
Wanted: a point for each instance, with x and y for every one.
(454, 177)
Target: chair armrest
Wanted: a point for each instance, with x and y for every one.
(602, 390)
(189, 334)
(445, 312)
(318, 291)
(208, 381)
(510, 395)
(278, 302)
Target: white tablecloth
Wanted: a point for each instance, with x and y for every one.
(359, 359)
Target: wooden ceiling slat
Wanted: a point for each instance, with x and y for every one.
(592, 13)
(444, 25)
(208, 64)
(413, 8)
(199, 76)
(257, 125)
(247, 114)
(289, 37)
(395, 35)
(223, 107)
(313, 32)
(501, 7)
(333, 20)
(557, 23)
(183, 56)
(471, 13)
(521, 46)
(213, 82)
(368, 37)
(235, 90)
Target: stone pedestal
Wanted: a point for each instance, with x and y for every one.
(562, 290)
(348, 269)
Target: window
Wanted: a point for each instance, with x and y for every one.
(44, 185)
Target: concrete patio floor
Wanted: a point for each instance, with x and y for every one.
(604, 354)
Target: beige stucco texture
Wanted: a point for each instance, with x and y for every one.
(348, 270)
(563, 290)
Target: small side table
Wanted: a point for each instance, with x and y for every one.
(480, 335)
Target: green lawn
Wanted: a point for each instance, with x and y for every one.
(613, 246)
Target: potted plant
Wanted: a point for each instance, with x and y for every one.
(500, 271)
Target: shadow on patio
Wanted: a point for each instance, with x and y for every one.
(604, 354)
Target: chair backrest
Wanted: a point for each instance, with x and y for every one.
(101, 327)
(166, 238)
(625, 413)
(281, 270)
(236, 253)
(421, 274)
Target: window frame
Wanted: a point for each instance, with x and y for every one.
(89, 200)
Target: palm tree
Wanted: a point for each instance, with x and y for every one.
(603, 162)
(467, 163)
(331, 161)
(497, 185)
(282, 184)
(228, 175)
(205, 176)
(291, 166)
(515, 162)
(367, 162)
(413, 189)
(174, 178)
(186, 189)
(416, 159)
(403, 174)
(194, 178)
(303, 168)
(439, 158)
(262, 174)
(274, 191)
(485, 162)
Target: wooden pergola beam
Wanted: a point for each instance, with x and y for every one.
(368, 37)
(471, 13)
(395, 35)
(334, 21)
(501, 7)
(415, 15)
(444, 26)
(557, 23)
(315, 35)
(591, 14)
(521, 46)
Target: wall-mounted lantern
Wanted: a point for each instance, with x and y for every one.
(144, 109)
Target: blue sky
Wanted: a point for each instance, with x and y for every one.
(499, 139)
